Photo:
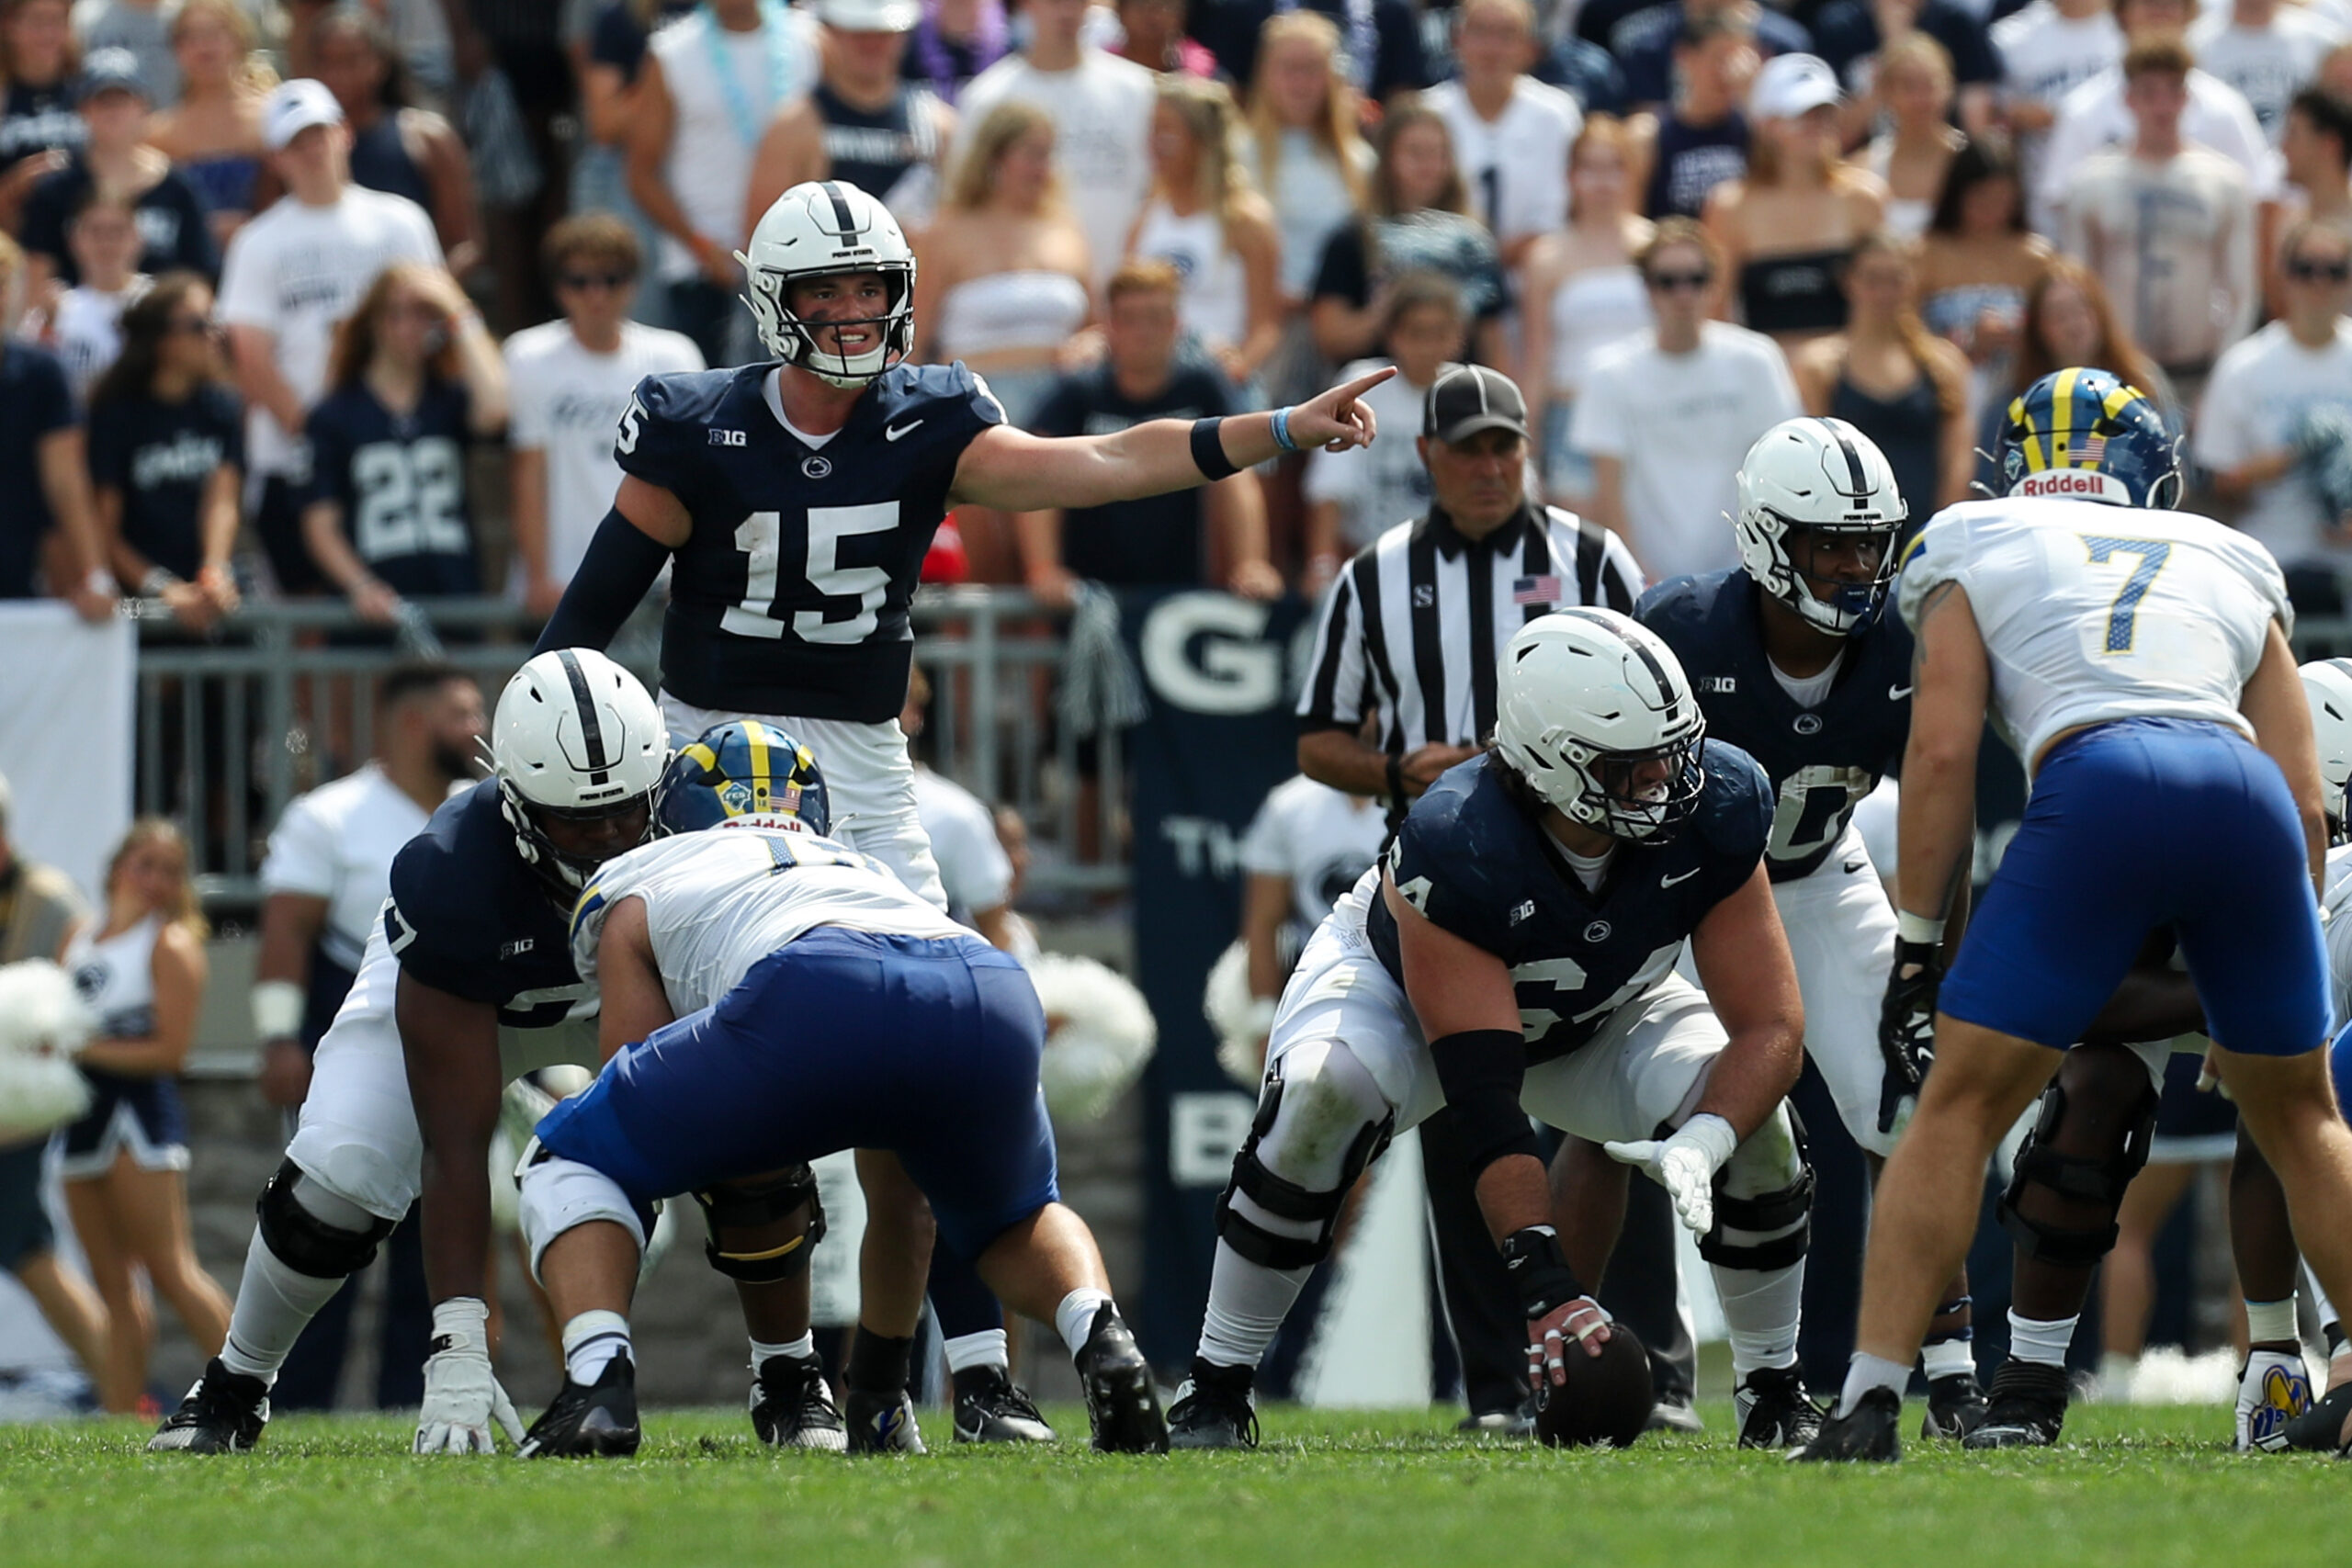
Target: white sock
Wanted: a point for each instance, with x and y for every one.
(1247, 1305)
(2043, 1343)
(1867, 1371)
(275, 1303)
(798, 1349)
(2116, 1372)
(985, 1348)
(589, 1343)
(1948, 1358)
(1760, 1311)
(1074, 1319)
(2268, 1321)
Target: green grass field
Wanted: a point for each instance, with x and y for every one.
(2140, 1487)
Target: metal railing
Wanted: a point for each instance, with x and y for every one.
(280, 698)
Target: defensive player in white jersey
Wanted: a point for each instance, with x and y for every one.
(770, 996)
(2137, 659)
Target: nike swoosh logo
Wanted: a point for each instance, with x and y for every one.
(1896, 694)
(1670, 881)
(892, 432)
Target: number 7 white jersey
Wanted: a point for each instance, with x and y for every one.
(2092, 612)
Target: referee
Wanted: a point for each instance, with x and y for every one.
(1410, 632)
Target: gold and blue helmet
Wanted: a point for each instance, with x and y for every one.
(2087, 435)
(742, 768)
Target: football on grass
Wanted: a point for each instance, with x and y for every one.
(1606, 1399)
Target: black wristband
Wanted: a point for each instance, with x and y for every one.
(1537, 1270)
(1397, 782)
(1208, 450)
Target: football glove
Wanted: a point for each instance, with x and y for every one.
(1558, 1310)
(462, 1398)
(1685, 1164)
(1907, 1029)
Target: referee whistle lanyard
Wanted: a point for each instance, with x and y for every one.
(722, 66)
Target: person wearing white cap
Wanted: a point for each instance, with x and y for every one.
(877, 130)
(291, 275)
(1787, 226)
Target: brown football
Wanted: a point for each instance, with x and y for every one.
(1607, 1398)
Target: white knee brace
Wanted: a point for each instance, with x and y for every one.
(1322, 1121)
(560, 1195)
(1763, 1199)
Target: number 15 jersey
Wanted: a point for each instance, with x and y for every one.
(2091, 611)
(790, 593)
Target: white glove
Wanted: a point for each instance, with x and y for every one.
(1685, 1164)
(461, 1394)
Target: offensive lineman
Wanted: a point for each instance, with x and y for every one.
(798, 498)
(771, 996)
(1514, 954)
(2137, 657)
(1796, 664)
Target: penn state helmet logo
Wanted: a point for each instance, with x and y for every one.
(1597, 931)
(816, 465)
(1807, 724)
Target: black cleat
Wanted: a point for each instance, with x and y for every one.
(223, 1413)
(1214, 1409)
(594, 1420)
(1869, 1434)
(882, 1423)
(1121, 1400)
(2320, 1429)
(792, 1408)
(2026, 1409)
(1956, 1407)
(1773, 1410)
(991, 1408)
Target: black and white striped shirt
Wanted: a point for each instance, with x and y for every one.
(1414, 624)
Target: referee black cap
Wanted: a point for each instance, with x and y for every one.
(1468, 399)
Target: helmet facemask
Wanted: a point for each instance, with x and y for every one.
(794, 340)
(1639, 796)
(565, 871)
(1828, 602)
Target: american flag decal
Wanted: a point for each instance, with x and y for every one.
(2090, 449)
(1535, 590)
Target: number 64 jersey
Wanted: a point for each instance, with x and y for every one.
(2091, 613)
(790, 594)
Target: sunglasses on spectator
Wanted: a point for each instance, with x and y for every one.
(190, 326)
(1669, 282)
(2304, 270)
(597, 279)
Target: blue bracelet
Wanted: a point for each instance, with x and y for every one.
(1282, 430)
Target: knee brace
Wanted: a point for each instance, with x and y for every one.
(308, 1244)
(2080, 1179)
(751, 1204)
(1286, 1199)
(560, 1195)
(1763, 1199)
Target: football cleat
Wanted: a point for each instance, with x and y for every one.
(594, 1420)
(1121, 1400)
(792, 1408)
(1214, 1409)
(2026, 1408)
(1868, 1434)
(991, 1408)
(2274, 1388)
(2320, 1429)
(1673, 1412)
(1773, 1410)
(1516, 1423)
(882, 1423)
(223, 1413)
(1956, 1407)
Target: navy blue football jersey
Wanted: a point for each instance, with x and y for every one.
(468, 917)
(790, 594)
(1821, 760)
(400, 481)
(1480, 865)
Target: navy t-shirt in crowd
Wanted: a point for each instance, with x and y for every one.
(1846, 33)
(173, 230)
(38, 119)
(618, 38)
(1644, 45)
(1152, 543)
(400, 481)
(34, 402)
(160, 457)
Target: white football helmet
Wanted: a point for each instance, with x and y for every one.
(1596, 715)
(576, 737)
(819, 228)
(2328, 687)
(1823, 474)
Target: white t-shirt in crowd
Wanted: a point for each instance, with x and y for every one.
(2173, 240)
(565, 400)
(973, 866)
(2093, 118)
(1379, 485)
(295, 271)
(1319, 838)
(337, 843)
(1101, 111)
(1516, 165)
(719, 119)
(2260, 397)
(87, 332)
(2268, 65)
(1680, 424)
(2044, 56)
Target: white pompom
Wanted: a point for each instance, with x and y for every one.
(40, 1014)
(1103, 1035)
(1235, 1014)
(39, 1094)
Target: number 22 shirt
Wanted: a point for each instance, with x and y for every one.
(400, 482)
